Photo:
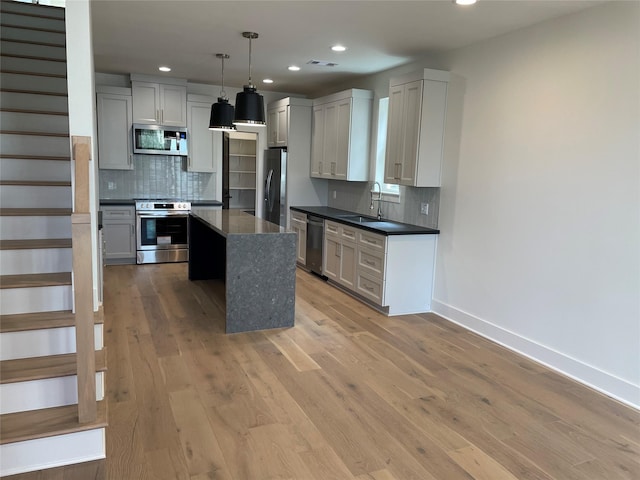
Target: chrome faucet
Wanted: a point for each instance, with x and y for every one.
(379, 192)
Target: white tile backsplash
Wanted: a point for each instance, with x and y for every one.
(157, 176)
(355, 197)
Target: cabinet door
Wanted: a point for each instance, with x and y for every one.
(146, 103)
(412, 107)
(283, 126)
(173, 105)
(272, 127)
(301, 231)
(330, 142)
(119, 241)
(114, 131)
(332, 251)
(343, 134)
(395, 135)
(317, 142)
(205, 146)
(348, 265)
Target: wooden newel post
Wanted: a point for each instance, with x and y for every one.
(83, 281)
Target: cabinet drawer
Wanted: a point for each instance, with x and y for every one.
(371, 261)
(331, 228)
(372, 240)
(348, 234)
(298, 217)
(370, 288)
(118, 214)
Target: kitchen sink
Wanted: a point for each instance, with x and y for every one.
(360, 219)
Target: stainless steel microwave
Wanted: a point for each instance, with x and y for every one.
(159, 140)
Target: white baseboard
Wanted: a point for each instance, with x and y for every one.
(604, 382)
(50, 452)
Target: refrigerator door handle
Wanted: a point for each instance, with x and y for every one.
(267, 190)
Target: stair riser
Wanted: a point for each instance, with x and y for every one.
(29, 228)
(33, 122)
(37, 260)
(30, 8)
(31, 65)
(20, 169)
(12, 33)
(33, 82)
(33, 50)
(39, 343)
(45, 393)
(31, 22)
(36, 299)
(33, 145)
(50, 452)
(21, 196)
(32, 101)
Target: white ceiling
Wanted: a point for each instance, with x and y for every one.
(140, 35)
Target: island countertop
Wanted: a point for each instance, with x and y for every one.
(235, 222)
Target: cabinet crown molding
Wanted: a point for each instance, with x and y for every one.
(424, 74)
(350, 93)
(138, 77)
(291, 101)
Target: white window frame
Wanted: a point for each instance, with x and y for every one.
(390, 192)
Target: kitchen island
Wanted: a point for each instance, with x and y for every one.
(255, 259)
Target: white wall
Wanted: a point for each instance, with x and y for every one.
(539, 216)
(82, 103)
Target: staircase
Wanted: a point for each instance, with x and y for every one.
(52, 360)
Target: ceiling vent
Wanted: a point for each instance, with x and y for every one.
(321, 63)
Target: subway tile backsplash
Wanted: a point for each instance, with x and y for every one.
(355, 197)
(157, 176)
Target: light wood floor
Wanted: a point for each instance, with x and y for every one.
(345, 394)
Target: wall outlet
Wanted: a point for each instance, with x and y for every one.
(335, 193)
(424, 208)
(111, 185)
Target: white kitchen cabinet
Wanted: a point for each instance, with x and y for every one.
(114, 129)
(277, 124)
(340, 135)
(159, 104)
(415, 132)
(205, 146)
(298, 222)
(393, 273)
(119, 233)
(340, 254)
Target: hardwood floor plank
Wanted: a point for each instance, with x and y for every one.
(346, 394)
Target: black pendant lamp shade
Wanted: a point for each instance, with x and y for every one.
(222, 111)
(249, 107)
(249, 103)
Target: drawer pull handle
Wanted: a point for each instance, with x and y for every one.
(367, 287)
(368, 262)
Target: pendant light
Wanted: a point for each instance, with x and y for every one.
(249, 103)
(222, 112)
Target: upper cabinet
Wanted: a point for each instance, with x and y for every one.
(114, 128)
(277, 124)
(205, 146)
(415, 132)
(159, 104)
(340, 135)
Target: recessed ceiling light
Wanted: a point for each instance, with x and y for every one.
(338, 48)
(294, 68)
(164, 69)
(464, 2)
(267, 80)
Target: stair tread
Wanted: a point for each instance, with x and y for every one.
(21, 322)
(34, 212)
(37, 183)
(32, 92)
(48, 422)
(35, 29)
(35, 243)
(33, 42)
(50, 366)
(36, 134)
(35, 74)
(36, 157)
(34, 112)
(35, 280)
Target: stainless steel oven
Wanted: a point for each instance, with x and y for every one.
(162, 231)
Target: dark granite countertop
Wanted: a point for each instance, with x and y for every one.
(235, 222)
(383, 227)
(131, 201)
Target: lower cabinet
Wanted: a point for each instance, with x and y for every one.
(298, 222)
(119, 234)
(395, 272)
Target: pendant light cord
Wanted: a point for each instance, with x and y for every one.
(223, 94)
(250, 83)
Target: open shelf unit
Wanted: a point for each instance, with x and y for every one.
(242, 170)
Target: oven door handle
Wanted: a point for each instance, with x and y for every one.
(161, 214)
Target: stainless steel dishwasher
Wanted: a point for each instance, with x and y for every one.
(315, 236)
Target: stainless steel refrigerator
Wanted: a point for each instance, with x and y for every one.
(275, 186)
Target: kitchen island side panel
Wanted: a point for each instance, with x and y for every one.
(260, 281)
